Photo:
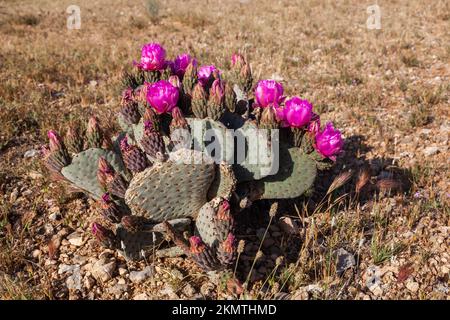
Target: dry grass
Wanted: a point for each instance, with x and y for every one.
(387, 89)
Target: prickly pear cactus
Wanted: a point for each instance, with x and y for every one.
(196, 144)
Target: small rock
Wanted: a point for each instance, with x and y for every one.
(412, 286)
(117, 290)
(123, 271)
(36, 253)
(176, 274)
(31, 153)
(141, 296)
(14, 195)
(64, 268)
(35, 175)
(79, 259)
(268, 242)
(73, 282)
(89, 282)
(93, 83)
(75, 239)
(103, 271)
(121, 281)
(430, 151)
(188, 290)
(169, 291)
(345, 260)
(140, 276)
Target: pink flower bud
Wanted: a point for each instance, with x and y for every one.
(197, 245)
(55, 141)
(216, 93)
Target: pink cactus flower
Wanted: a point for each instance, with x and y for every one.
(329, 142)
(162, 96)
(205, 73)
(181, 63)
(269, 93)
(298, 112)
(153, 57)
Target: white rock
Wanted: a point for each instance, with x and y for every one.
(412, 286)
(36, 253)
(430, 151)
(103, 271)
(31, 153)
(123, 271)
(89, 282)
(75, 239)
(64, 268)
(73, 282)
(140, 276)
(141, 296)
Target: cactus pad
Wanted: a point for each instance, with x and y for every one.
(296, 174)
(172, 189)
(82, 172)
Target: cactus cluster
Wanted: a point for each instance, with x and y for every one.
(160, 172)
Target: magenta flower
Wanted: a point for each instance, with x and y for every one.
(269, 93)
(205, 73)
(162, 96)
(153, 57)
(329, 142)
(298, 112)
(181, 63)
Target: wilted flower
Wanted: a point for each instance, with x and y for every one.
(205, 73)
(162, 96)
(329, 142)
(181, 63)
(298, 112)
(153, 57)
(269, 93)
(105, 236)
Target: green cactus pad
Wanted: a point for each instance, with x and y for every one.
(296, 175)
(82, 172)
(199, 131)
(204, 223)
(173, 189)
(248, 169)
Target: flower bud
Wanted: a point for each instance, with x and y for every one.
(199, 101)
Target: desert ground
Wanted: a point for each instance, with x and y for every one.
(387, 89)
